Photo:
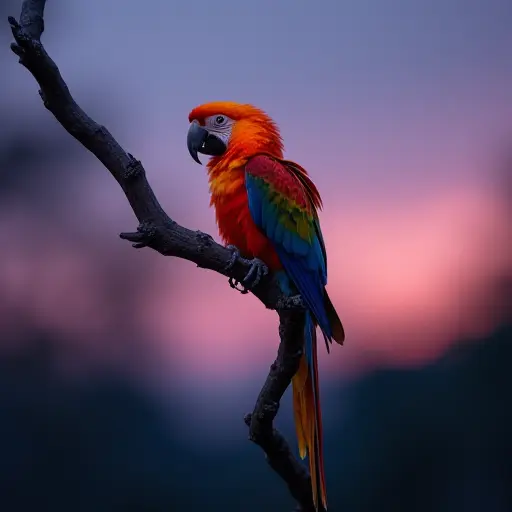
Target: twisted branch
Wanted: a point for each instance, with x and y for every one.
(162, 234)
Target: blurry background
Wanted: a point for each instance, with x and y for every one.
(124, 375)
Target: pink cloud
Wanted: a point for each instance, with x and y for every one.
(405, 278)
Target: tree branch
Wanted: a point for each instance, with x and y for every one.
(159, 232)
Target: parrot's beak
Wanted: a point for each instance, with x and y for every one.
(200, 140)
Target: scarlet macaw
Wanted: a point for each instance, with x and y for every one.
(266, 210)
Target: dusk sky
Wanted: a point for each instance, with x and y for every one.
(399, 110)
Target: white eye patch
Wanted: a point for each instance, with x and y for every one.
(219, 125)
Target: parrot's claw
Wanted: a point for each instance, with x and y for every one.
(234, 284)
(257, 269)
(235, 254)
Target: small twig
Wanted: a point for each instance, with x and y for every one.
(159, 232)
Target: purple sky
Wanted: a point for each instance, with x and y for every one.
(397, 109)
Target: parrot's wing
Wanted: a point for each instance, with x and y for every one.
(314, 197)
(283, 202)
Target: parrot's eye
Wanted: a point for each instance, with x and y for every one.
(220, 120)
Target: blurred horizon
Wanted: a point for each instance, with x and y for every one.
(402, 115)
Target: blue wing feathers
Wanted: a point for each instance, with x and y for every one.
(309, 286)
(322, 249)
(303, 260)
(308, 335)
(280, 233)
(255, 206)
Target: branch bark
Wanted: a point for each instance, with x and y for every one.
(159, 232)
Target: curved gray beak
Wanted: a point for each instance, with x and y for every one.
(196, 137)
(200, 140)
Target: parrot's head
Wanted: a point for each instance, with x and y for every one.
(224, 129)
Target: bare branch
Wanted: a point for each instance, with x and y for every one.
(260, 422)
(159, 232)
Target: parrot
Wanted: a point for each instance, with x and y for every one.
(266, 210)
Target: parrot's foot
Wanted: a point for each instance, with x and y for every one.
(257, 269)
(235, 255)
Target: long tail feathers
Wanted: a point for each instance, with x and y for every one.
(308, 417)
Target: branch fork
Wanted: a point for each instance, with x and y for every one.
(162, 234)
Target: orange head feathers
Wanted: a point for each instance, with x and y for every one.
(232, 131)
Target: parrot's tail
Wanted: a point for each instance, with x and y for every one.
(308, 417)
(338, 333)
